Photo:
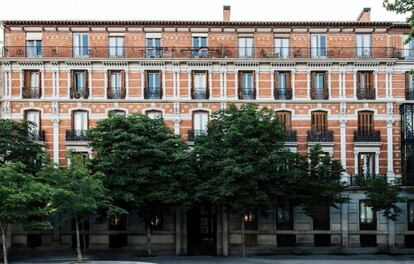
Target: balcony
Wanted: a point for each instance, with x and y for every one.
(283, 93)
(79, 93)
(38, 136)
(31, 92)
(193, 134)
(320, 136)
(291, 136)
(358, 180)
(409, 95)
(198, 93)
(247, 93)
(116, 93)
(153, 93)
(219, 52)
(364, 94)
(367, 136)
(77, 135)
(319, 94)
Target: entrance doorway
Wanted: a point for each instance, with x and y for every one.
(201, 230)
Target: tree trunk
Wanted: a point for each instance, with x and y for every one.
(78, 249)
(4, 242)
(84, 237)
(242, 237)
(149, 239)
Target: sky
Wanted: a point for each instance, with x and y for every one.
(259, 10)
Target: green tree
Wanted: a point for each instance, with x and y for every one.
(15, 145)
(402, 7)
(144, 163)
(22, 197)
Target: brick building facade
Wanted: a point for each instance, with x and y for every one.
(344, 85)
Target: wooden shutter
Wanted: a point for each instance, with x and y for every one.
(312, 83)
(286, 118)
(86, 85)
(192, 83)
(276, 81)
(365, 121)
(26, 84)
(358, 81)
(40, 83)
(161, 88)
(123, 85)
(207, 85)
(240, 84)
(368, 81)
(145, 88)
(254, 84)
(73, 84)
(319, 121)
(325, 86)
(288, 80)
(109, 85)
(407, 80)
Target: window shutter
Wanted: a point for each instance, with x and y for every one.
(254, 84)
(319, 122)
(73, 83)
(145, 88)
(160, 84)
(276, 81)
(312, 80)
(86, 85)
(359, 80)
(192, 83)
(325, 85)
(123, 85)
(39, 85)
(207, 85)
(109, 85)
(285, 118)
(407, 81)
(288, 80)
(370, 86)
(240, 84)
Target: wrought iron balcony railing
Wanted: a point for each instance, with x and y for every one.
(283, 93)
(291, 136)
(247, 93)
(200, 93)
(358, 180)
(364, 94)
(319, 94)
(219, 52)
(367, 136)
(320, 136)
(409, 95)
(77, 135)
(153, 93)
(79, 94)
(193, 134)
(36, 135)
(31, 92)
(116, 93)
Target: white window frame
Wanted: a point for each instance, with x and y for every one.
(116, 46)
(246, 47)
(319, 45)
(282, 48)
(408, 48)
(363, 45)
(80, 48)
(80, 121)
(200, 122)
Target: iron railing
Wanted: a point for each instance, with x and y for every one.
(36, 135)
(153, 93)
(116, 93)
(367, 136)
(364, 94)
(319, 94)
(409, 95)
(283, 93)
(291, 136)
(247, 93)
(31, 92)
(77, 135)
(79, 94)
(193, 134)
(219, 52)
(358, 180)
(200, 93)
(320, 136)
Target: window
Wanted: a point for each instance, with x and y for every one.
(200, 47)
(285, 117)
(114, 113)
(321, 219)
(246, 48)
(410, 214)
(365, 86)
(409, 47)
(250, 223)
(116, 85)
(282, 48)
(367, 217)
(153, 114)
(409, 86)
(318, 46)
(200, 122)
(116, 47)
(80, 44)
(80, 121)
(153, 47)
(157, 221)
(319, 86)
(363, 45)
(319, 121)
(365, 121)
(200, 90)
(153, 88)
(283, 89)
(78, 158)
(366, 164)
(31, 88)
(246, 85)
(34, 48)
(284, 217)
(79, 84)
(33, 117)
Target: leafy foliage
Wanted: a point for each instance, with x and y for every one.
(402, 7)
(15, 146)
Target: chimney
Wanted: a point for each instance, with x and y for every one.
(365, 15)
(226, 13)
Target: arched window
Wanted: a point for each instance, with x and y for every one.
(154, 114)
(116, 112)
(80, 121)
(319, 121)
(285, 117)
(200, 121)
(33, 117)
(365, 121)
